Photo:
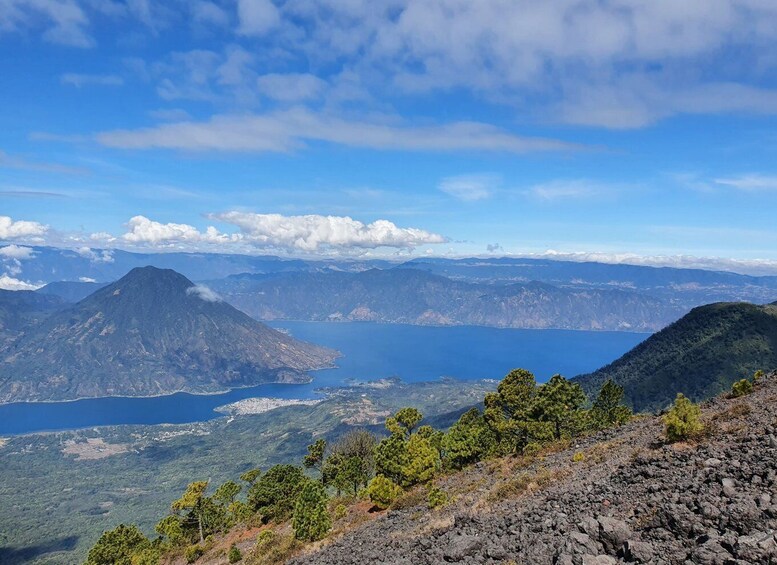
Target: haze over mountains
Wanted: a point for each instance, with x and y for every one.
(500, 292)
(414, 296)
(151, 332)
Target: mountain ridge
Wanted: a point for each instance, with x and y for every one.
(700, 355)
(151, 332)
(414, 296)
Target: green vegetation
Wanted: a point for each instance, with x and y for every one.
(311, 520)
(436, 497)
(741, 388)
(55, 504)
(683, 420)
(234, 555)
(383, 491)
(273, 496)
(119, 546)
(521, 416)
(700, 355)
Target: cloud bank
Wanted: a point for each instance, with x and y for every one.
(21, 229)
(311, 233)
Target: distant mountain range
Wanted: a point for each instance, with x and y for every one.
(500, 292)
(414, 296)
(700, 355)
(151, 332)
(684, 287)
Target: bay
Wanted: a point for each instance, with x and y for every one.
(370, 351)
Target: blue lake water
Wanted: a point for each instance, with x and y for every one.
(370, 351)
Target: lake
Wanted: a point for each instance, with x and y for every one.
(370, 351)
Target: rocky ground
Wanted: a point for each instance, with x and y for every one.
(629, 497)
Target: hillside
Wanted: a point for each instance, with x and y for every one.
(71, 291)
(151, 332)
(620, 496)
(413, 296)
(700, 355)
(21, 308)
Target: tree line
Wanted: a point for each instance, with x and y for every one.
(520, 417)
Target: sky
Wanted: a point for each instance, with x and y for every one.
(613, 129)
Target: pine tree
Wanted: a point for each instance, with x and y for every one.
(608, 409)
(311, 520)
(118, 546)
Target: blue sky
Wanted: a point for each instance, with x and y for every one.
(615, 130)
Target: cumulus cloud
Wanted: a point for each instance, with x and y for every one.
(10, 283)
(87, 280)
(96, 255)
(18, 252)
(204, 293)
(470, 187)
(21, 229)
(313, 232)
(79, 80)
(145, 231)
(286, 130)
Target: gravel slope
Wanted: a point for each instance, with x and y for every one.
(632, 499)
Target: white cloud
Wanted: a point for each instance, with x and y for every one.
(283, 131)
(87, 280)
(63, 21)
(744, 266)
(257, 17)
(79, 80)
(18, 252)
(10, 229)
(313, 232)
(10, 283)
(96, 255)
(564, 190)
(290, 87)
(204, 293)
(750, 183)
(145, 231)
(470, 187)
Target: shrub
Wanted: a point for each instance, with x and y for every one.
(578, 457)
(311, 519)
(340, 512)
(532, 449)
(118, 546)
(757, 376)
(741, 388)
(436, 497)
(193, 553)
(234, 554)
(275, 493)
(264, 540)
(383, 492)
(683, 420)
(272, 548)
